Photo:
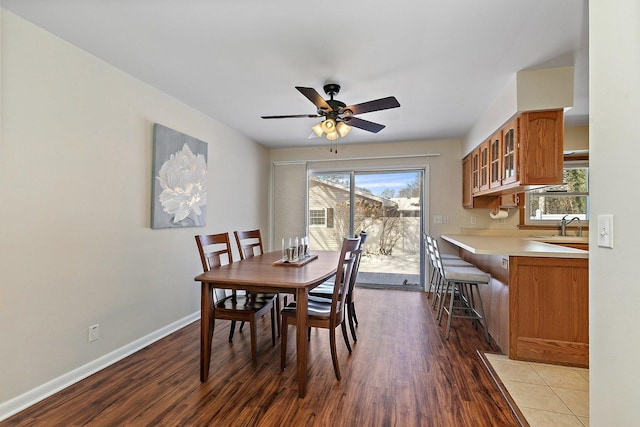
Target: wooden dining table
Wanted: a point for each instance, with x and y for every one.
(260, 274)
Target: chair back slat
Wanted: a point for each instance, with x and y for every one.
(215, 251)
(437, 257)
(249, 243)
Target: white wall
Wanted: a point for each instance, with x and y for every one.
(445, 170)
(75, 182)
(614, 105)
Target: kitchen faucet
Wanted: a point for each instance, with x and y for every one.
(564, 223)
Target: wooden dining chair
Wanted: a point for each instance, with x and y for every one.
(214, 249)
(325, 290)
(250, 244)
(328, 314)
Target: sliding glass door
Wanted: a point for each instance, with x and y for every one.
(385, 204)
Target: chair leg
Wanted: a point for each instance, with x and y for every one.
(352, 308)
(278, 312)
(334, 353)
(241, 325)
(232, 330)
(273, 327)
(252, 328)
(351, 316)
(343, 326)
(283, 342)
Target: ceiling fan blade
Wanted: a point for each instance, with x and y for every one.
(376, 105)
(364, 124)
(313, 96)
(291, 116)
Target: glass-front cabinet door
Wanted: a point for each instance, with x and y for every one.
(484, 166)
(495, 159)
(510, 153)
(475, 170)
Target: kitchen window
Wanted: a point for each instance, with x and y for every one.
(548, 205)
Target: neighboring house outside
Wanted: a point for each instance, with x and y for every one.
(393, 225)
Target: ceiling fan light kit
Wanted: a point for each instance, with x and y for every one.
(317, 129)
(332, 136)
(328, 126)
(338, 117)
(343, 129)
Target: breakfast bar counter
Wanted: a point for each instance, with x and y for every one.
(537, 302)
(515, 246)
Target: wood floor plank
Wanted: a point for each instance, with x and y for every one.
(402, 372)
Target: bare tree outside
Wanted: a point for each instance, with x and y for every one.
(391, 231)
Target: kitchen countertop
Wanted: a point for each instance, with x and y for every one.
(512, 246)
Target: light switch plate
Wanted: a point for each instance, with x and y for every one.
(605, 231)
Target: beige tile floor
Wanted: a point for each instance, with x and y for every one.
(547, 395)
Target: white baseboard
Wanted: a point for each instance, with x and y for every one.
(31, 397)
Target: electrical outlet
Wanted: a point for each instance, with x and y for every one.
(473, 220)
(437, 219)
(505, 263)
(445, 219)
(94, 333)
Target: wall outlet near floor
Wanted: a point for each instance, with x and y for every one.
(94, 333)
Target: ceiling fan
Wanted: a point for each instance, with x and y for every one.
(338, 117)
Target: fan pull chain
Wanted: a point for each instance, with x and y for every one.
(333, 150)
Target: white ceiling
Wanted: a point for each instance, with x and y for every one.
(236, 60)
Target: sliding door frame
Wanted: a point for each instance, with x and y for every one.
(352, 171)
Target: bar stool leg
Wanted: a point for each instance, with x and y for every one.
(483, 319)
(450, 290)
(451, 302)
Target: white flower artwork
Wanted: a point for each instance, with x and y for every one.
(180, 180)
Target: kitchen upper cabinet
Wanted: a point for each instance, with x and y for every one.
(495, 160)
(467, 183)
(484, 166)
(471, 178)
(526, 153)
(509, 152)
(541, 148)
(475, 170)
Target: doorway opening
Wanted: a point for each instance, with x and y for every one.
(388, 205)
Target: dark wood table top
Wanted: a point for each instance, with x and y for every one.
(258, 273)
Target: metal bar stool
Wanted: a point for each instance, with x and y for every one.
(431, 245)
(438, 282)
(462, 282)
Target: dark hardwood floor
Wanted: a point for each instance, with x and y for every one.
(402, 373)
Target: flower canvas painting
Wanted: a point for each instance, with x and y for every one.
(179, 189)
